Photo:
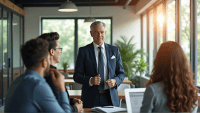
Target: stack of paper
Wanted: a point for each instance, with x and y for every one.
(108, 109)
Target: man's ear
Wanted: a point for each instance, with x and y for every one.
(91, 33)
(51, 52)
(44, 62)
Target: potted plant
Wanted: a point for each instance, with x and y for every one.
(129, 54)
(65, 66)
(138, 66)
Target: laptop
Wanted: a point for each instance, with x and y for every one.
(134, 98)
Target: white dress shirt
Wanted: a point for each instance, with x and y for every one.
(96, 51)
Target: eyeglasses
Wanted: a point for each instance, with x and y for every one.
(59, 48)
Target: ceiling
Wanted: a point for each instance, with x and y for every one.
(55, 3)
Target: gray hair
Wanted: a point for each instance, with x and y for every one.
(97, 23)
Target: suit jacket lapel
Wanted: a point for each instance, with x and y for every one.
(108, 52)
(92, 55)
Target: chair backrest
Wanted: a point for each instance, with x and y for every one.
(122, 87)
(76, 86)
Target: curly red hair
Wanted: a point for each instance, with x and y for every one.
(171, 66)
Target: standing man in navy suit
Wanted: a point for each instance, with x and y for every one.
(99, 69)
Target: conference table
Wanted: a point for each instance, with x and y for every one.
(70, 82)
(70, 76)
(77, 94)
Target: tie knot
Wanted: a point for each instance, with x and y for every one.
(100, 47)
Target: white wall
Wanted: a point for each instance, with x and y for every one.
(125, 22)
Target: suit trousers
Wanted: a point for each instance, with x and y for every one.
(103, 99)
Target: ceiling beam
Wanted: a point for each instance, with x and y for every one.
(56, 3)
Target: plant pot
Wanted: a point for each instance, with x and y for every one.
(135, 81)
(65, 70)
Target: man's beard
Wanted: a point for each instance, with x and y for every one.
(47, 71)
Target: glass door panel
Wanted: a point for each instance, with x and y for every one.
(22, 42)
(16, 46)
(5, 53)
(9, 65)
(1, 60)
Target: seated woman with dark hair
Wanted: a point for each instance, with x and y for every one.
(171, 87)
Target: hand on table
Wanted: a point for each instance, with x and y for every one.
(78, 103)
(75, 100)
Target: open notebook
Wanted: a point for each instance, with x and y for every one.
(108, 109)
(134, 98)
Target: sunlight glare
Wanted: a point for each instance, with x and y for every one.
(160, 20)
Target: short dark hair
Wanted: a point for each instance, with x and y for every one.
(34, 51)
(51, 38)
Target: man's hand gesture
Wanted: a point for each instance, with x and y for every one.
(78, 103)
(111, 83)
(58, 80)
(96, 80)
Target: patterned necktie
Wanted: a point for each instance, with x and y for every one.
(101, 70)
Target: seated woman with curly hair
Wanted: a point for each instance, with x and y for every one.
(171, 87)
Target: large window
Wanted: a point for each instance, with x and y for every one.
(171, 21)
(160, 20)
(145, 36)
(180, 27)
(72, 37)
(65, 29)
(185, 27)
(151, 41)
(198, 42)
(84, 36)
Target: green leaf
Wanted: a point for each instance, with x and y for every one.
(129, 56)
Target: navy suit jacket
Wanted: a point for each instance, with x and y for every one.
(86, 67)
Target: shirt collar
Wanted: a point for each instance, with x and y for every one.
(51, 66)
(96, 46)
(32, 72)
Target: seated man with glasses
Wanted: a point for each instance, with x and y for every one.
(55, 51)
